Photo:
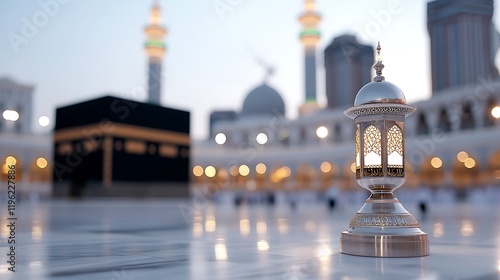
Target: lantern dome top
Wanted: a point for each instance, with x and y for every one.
(379, 91)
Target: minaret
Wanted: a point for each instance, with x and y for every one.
(155, 48)
(309, 37)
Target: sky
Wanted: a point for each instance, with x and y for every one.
(77, 50)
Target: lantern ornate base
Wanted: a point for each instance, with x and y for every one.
(386, 245)
(384, 228)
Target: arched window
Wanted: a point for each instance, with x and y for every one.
(444, 121)
(466, 117)
(372, 141)
(337, 135)
(422, 127)
(395, 152)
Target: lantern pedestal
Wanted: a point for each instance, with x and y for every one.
(384, 228)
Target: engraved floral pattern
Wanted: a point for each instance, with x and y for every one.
(383, 220)
(382, 110)
(372, 140)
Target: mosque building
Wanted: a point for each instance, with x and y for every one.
(451, 141)
(30, 152)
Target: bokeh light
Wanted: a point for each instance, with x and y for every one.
(470, 163)
(322, 132)
(10, 115)
(220, 138)
(244, 170)
(198, 171)
(462, 156)
(436, 162)
(41, 162)
(210, 171)
(260, 168)
(495, 112)
(261, 138)
(326, 167)
(44, 121)
(10, 160)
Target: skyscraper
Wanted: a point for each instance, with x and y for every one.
(155, 48)
(461, 47)
(309, 37)
(347, 69)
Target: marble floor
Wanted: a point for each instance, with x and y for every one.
(180, 239)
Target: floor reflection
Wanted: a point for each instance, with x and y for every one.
(155, 240)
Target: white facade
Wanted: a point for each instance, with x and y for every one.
(455, 120)
(31, 153)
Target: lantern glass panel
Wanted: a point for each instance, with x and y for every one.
(395, 166)
(372, 141)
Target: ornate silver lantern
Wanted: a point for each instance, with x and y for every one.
(382, 227)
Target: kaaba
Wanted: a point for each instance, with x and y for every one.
(114, 147)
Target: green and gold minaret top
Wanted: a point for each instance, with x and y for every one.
(155, 32)
(310, 19)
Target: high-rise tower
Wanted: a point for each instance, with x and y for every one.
(460, 33)
(155, 48)
(309, 37)
(347, 69)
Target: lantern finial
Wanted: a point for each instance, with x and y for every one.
(378, 66)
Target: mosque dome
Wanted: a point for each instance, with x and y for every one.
(379, 92)
(263, 100)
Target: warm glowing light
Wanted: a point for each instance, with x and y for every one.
(220, 252)
(261, 228)
(197, 229)
(233, 170)
(436, 162)
(467, 228)
(244, 227)
(260, 168)
(210, 171)
(5, 168)
(495, 112)
(286, 171)
(220, 138)
(262, 245)
(462, 156)
(438, 230)
(283, 226)
(280, 174)
(210, 223)
(198, 171)
(10, 115)
(41, 162)
(322, 132)
(244, 170)
(496, 173)
(44, 121)
(470, 163)
(261, 138)
(10, 160)
(326, 167)
(353, 167)
(36, 233)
